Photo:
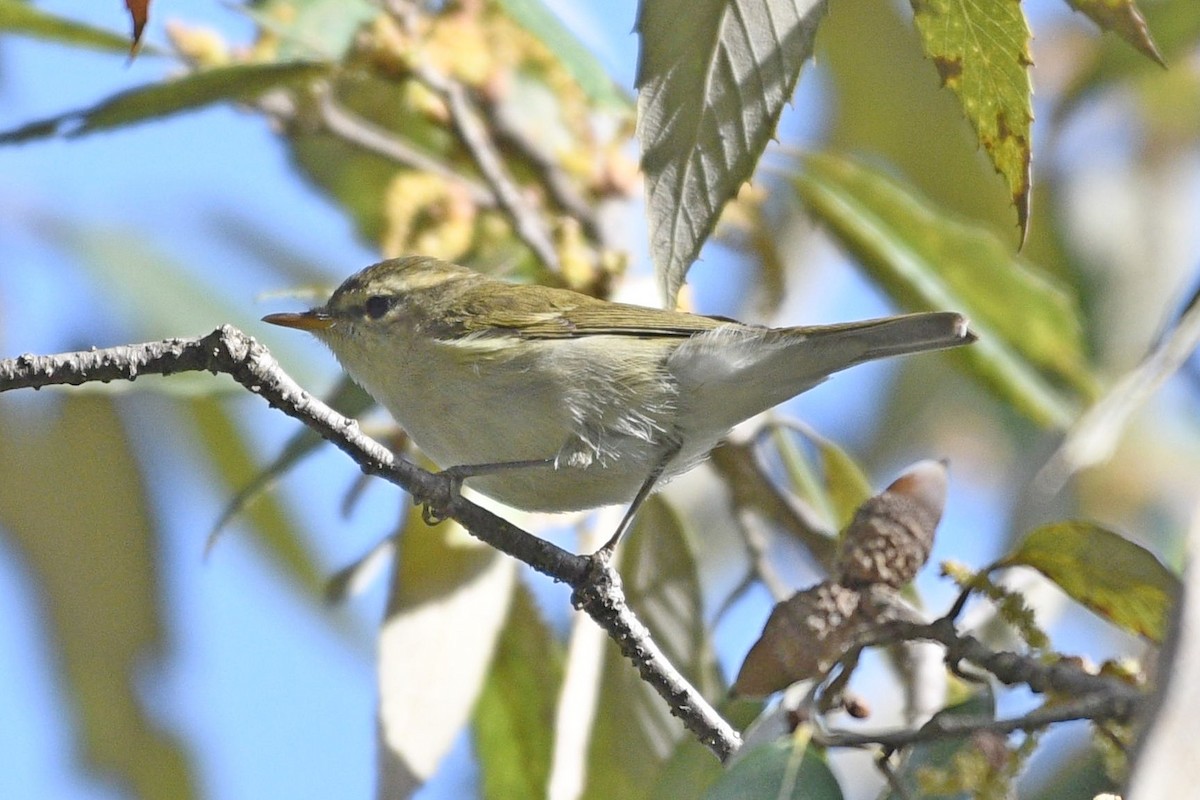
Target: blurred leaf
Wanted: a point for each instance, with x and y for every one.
(1176, 27)
(233, 463)
(712, 80)
(190, 92)
(139, 14)
(926, 260)
(514, 718)
(1123, 18)
(447, 604)
(1119, 580)
(307, 28)
(634, 732)
(845, 485)
(1094, 436)
(691, 769)
(787, 769)
(348, 398)
(535, 17)
(72, 498)
(940, 756)
(982, 55)
(27, 19)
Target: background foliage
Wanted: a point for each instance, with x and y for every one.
(326, 136)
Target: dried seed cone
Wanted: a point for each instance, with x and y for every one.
(890, 537)
(804, 636)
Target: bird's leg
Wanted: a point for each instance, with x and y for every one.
(605, 553)
(453, 478)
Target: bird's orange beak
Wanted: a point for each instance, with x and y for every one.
(315, 320)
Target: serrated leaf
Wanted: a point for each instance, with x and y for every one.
(981, 52)
(193, 91)
(1123, 18)
(940, 755)
(447, 603)
(926, 260)
(712, 80)
(535, 17)
(634, 732)
(73, 503)
(787, 769)
(514, 717)
(1103, 571)
(29, 20)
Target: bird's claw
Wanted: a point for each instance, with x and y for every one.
(435, 505)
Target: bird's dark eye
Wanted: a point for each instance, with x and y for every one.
(377, 305)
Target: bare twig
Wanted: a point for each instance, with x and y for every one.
(475, 137)
(350, 127)
(596, 586)
(1094, 697)
(1091, 707)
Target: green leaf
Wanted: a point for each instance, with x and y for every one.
(712, 78)
(926, 260)
(939, 756)
(634, 732)
(232, 460)
(846, 486)
(73, 502)
(787, 769)
(348, 398)
(514, 717)
(982, 55)
(535, 17)
(1123, 18)
(193, 91)
(1103, 571)
(27, 19)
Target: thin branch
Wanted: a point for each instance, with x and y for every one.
(475, 137)
(228, 350)
(1095, 697)
(350, 127)
(1090, 707)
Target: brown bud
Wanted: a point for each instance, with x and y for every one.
(804, 636)
(889, 539)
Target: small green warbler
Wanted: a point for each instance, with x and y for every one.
(550, 400)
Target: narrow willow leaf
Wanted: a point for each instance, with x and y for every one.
(193, 91)
(448, 601)
(1123, 18)
(231, 458)
(535, 17)
(845, 483)
(712, 81)
(26, 19)
(1094, 437)
(348, 398)
(514, 718)
(925, 260)
(787, 769)
(634, 733)
(1105, 572)
(73, 502)
(981, 52)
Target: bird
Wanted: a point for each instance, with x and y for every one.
(550, 400)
